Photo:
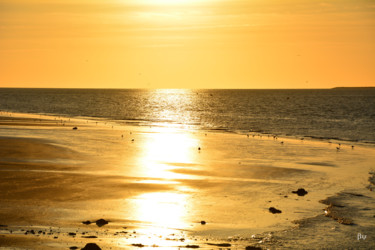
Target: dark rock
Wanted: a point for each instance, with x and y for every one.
(91, 246)
(252, 248)
(138, 245)
(72, 234)
(345, 221)
(300, 192)
(191, 246)
(101, 222)
(274, 210)
(220, 244)
(86, 222)
(74, 247)
(90, 237)
(203, 222)
(75, 128)
(3, 225)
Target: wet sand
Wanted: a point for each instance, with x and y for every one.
(155, 187)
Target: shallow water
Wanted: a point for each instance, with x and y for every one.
(161, 184)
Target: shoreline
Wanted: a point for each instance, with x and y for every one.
(188, 176)
(60, 119)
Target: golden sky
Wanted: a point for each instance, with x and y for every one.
(187, 43)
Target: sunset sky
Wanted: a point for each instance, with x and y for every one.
(187, 43)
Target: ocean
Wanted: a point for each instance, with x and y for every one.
(341, 114)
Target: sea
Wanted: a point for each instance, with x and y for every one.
(340, 114)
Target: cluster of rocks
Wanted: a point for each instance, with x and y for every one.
(99, 223)
(299, 192)
(332, 212)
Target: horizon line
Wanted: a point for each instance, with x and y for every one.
(99, 88)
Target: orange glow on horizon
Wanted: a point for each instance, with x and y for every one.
(186, 44)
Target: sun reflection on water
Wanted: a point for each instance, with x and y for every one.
(167, 149)
(161, 220)
(165, 209)
(173, 106)
(164, 150)
(164, 212)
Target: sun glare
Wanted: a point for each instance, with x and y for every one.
(168, 2)
(161, 216)
(162, 208)
(166, 151)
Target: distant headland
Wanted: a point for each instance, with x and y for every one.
(353, 88)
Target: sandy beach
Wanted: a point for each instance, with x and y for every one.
(124, 187)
